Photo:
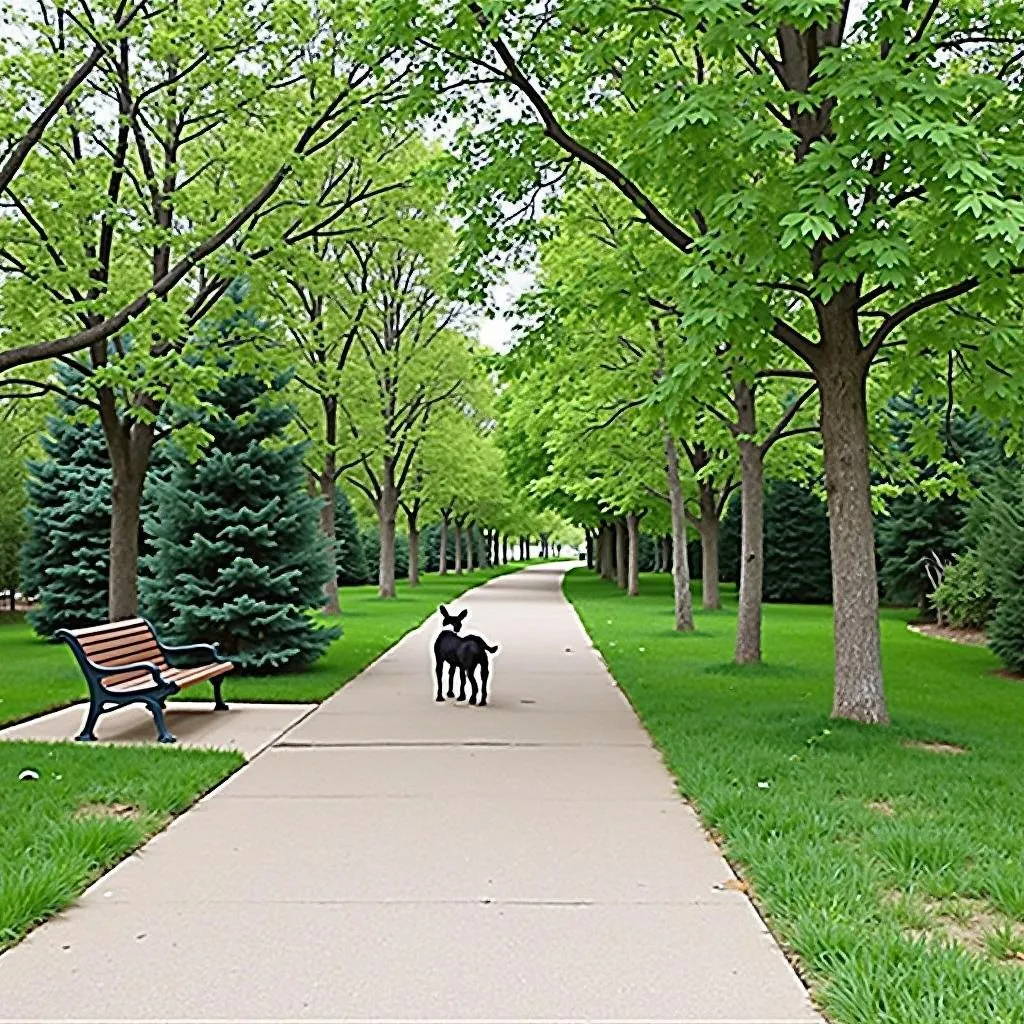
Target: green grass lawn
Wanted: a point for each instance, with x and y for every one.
(894, 873)
(36, 676)
(89, 808)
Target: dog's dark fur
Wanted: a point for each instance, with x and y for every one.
(465, 653)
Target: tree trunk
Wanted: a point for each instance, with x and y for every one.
(129, 459)
(680, 564)
(387, 507)
(621, 554)
(589, 534)
(458, 548)
(841, 372)
(328, 526)
(442, 556)
(748, 624)
(666, 553)
(709, 529)
(633, 537)
(414, 548)
(469, 547)
(504, 549)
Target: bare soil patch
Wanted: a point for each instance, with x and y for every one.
(881, 807)
(971, 924)
(958, 634)
(934, 747)
(108, 811)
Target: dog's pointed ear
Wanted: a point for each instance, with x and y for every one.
(443, 611)
(462, 615)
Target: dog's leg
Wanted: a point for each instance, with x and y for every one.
(472, 680)
(451, 679)
(485, 671)
(439, 669)
(462, 683)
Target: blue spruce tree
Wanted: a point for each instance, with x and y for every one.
(238, 556)
(66, 556)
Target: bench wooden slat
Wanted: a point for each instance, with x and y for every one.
(104, 643)
(123, 655)
(107, 627)
(190, 676)
(134, 681)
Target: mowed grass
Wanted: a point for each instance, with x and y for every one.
(89, 808)
(36, 676)
(893, 872)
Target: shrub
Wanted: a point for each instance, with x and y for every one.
(964, 597)
(1001, 553)
(1006, 631)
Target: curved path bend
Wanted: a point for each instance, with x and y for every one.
(390, 858)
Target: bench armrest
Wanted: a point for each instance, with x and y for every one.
(135, 666)
(210, 649)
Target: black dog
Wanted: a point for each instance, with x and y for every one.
(465, 653)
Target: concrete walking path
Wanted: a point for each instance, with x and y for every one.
(389, 858)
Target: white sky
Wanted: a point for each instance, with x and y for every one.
(496, 333)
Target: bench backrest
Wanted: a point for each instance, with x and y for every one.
(119, 643)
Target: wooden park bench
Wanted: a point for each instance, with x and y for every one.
(124, 663)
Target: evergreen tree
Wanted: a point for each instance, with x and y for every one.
(1000, 530)
(797, 565)
(66, 556)
(916, 526)
(918, 523)
(13, 499)
(238, 554)
(353, 569)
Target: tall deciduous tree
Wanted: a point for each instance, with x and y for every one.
(112, 225)
(866, 169)
(407, 363)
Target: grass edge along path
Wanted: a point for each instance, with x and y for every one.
(91, 806)
(88, 809)
(38, 677)
(891, 870)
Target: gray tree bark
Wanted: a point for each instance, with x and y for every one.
(412, 517)
(748, 624)
(329, 510)
(387, 508)
(840, 368)
(442, 557)
(621, 554)
(129, 447)
(708, 528)
(680, 562)
(633, 538)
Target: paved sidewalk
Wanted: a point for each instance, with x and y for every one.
(390, 858)
(249, 728)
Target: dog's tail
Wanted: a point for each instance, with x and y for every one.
(491, 650)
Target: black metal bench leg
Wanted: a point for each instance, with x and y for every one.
(161, 727)
(87, 735)
(219, 704)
